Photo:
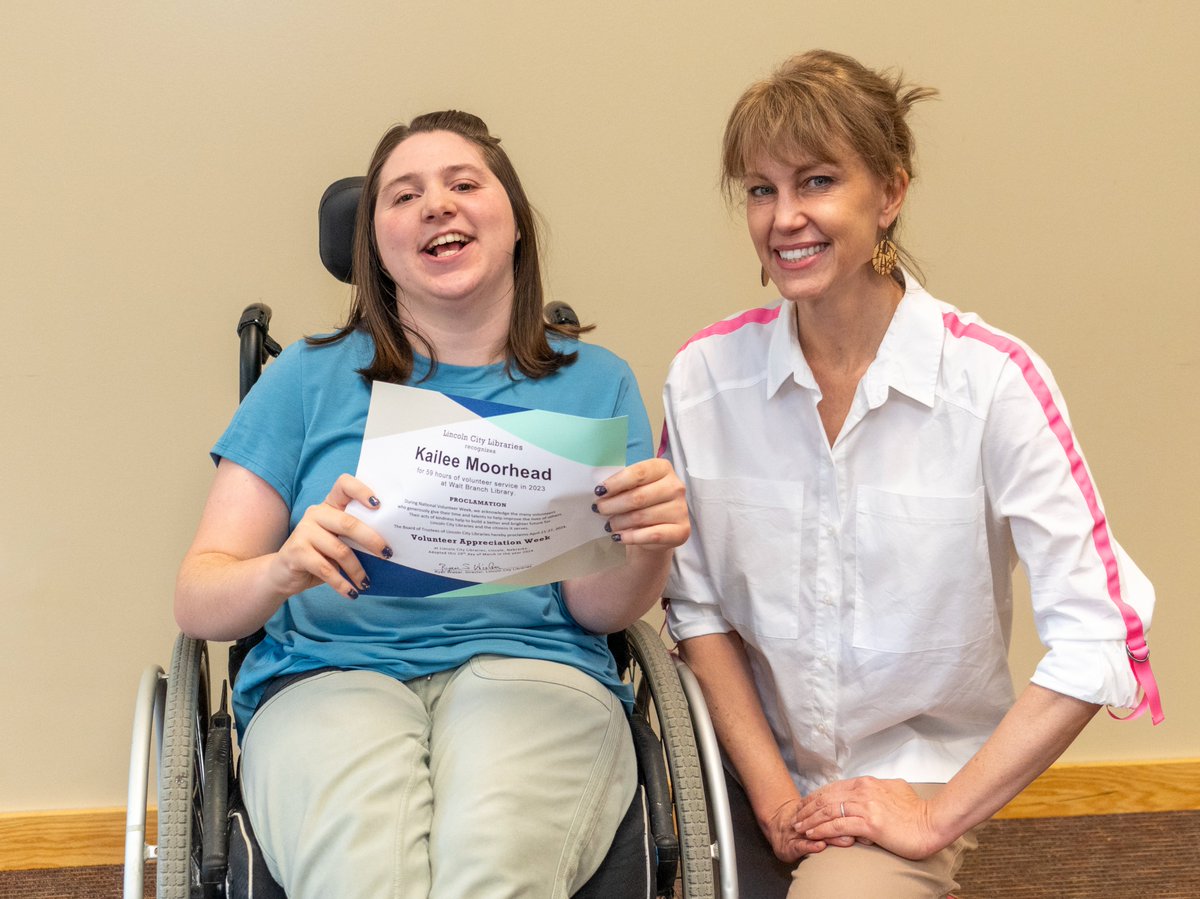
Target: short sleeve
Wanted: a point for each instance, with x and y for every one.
(266, 435)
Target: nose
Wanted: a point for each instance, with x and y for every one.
(438, 203)
(790, 213)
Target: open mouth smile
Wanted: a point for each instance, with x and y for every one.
(446, 245)
(802, 253)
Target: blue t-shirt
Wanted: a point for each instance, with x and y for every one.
(301, 427)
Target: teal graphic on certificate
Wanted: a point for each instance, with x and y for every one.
(480, 497)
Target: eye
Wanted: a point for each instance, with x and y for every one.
(759, 191)
(819, 182)
(404, 196)
(463, 186)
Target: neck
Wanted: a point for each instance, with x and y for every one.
(463, 334)
(844, 332)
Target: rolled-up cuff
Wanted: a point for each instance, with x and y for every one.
(1090, 671)
(687, 619)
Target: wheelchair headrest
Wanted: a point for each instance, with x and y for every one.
(336, 212)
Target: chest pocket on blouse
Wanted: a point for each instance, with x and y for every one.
(923, 579)
(748, 534)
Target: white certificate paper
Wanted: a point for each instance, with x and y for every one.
(479, 497)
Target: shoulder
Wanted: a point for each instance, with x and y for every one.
(970, 339)
(591, 359)
(734, 349)
(316, 362)
(744, 328)
(979, 358)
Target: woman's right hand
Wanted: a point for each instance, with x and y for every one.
(317, 550)
(786, 842)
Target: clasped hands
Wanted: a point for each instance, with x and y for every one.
(642, 505)
(866, 810)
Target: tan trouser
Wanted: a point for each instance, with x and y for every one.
(505, 777)
(857, 872)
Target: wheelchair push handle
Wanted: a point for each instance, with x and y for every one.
(256, 345)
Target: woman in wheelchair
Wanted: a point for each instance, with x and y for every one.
(865, 464)
(410, 747)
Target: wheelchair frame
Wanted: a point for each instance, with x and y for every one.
(686, 797)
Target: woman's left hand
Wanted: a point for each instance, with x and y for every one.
(645, 506)
(884, 812)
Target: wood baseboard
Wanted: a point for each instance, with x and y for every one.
(66, 839)
(1109, 789)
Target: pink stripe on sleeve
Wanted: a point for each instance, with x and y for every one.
(760, 316)
(729, 325)
(1135, 642)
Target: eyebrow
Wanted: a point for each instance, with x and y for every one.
(797, 168)
(450, 171)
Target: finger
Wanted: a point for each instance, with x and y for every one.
(633, 476)
(661, 503)
(794, 850)
(347, 488)
(350, 527)
(836, 828)
(820, 813)
(335, 563)
(657, 537)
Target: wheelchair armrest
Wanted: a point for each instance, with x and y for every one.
(214, 846)
(653, 770)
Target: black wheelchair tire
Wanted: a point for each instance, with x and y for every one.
(660, 686)
(181, 766)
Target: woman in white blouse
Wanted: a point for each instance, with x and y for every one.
(865, 465)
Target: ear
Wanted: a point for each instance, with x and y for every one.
(893, 195)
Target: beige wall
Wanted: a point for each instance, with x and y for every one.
(161, 167)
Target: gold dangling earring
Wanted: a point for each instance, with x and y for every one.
(883, 259)
(762, 277)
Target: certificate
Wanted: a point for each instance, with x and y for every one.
(479, 497)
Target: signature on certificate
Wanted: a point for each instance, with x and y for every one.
(475, 568)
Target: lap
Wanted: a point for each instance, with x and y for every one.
(446, 779)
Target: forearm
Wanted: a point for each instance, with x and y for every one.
(221, 597)
(1035, 732)
(610, 600)
(720, 665)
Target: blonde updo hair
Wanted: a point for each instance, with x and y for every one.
(820, 105)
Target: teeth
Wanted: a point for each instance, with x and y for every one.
(444, 239)
(793, 255)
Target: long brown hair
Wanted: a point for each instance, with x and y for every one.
(373, 308)
(822, 104)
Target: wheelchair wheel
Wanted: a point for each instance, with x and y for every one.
(181, 769)
(660, 698)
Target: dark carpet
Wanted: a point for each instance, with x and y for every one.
(1152, 856)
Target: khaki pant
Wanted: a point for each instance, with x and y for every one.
(505, 777)
(856, 872)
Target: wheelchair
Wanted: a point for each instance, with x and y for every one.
(677, 834)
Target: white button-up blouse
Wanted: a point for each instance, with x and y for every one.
(871, 581)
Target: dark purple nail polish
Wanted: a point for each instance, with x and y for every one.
(366, 584)
(595, 508)
(608, 527)
(353, 594)
(601, 490)
(374, 502)
(616, 538)
(387, 552)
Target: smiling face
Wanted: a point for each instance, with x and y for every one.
(814, 224)
(444, 227)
